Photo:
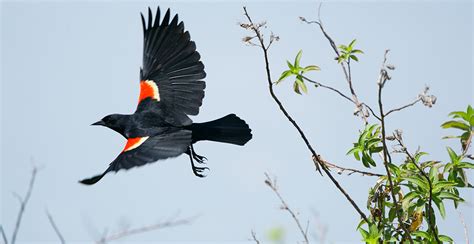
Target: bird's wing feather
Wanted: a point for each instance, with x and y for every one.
(143, 150)
(172, 72)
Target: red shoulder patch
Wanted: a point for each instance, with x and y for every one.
(148, 88)
(133, 143)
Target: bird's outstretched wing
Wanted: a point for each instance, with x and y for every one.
(143, 150)
(172, 73)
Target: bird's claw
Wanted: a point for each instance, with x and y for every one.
(199, 170)
(200, 159)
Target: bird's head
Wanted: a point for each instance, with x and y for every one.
(116, 122)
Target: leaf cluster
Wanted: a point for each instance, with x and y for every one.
(418, 185)
(348, 52)
(369, 142)
(296, 70)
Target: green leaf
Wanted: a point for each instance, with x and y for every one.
(392, 214)
(276, 234)
(466, 165)
(352, 44)
(364, 234)
(418, 182)
(342, 47)
(408, 198)
(357, 51)
(459, 114)
(449, 195)
(455, 124)
(357, 156)
(311, 68)
(453, 156)
(301, 84)
(292, 68)
(451, 137)
(376, 149)
(362, 222)
(419, 155)
(284, 75)
(422, 234)
(298, 58)
(353, 57)
(469, 110)
(296, 87)
(353, 150)
(373, 142)
(444, 238)
(439, 203)
(443, 185)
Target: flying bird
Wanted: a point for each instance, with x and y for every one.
(171, 89)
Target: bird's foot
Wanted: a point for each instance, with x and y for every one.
(198, 171)
(200, 159)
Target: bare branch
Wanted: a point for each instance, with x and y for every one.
(272, 184)
(346, 69)
(403, 107)
(5, 241)
(466, 235)
(330, 88)
(127, 233)
(319, 84)
(55, 227)
(23, 203)
(349, 170)
(254, 237)
(386, 155)
(316, 159)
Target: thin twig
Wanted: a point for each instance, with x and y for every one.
(55, 227)
(271, 183)
(23, 203)
(398, 137)
(386, 156)
(5, 241)
(254, 237)
(319, 84)
(316, 159)
(127, 233)
(351, 171)
(403, 107)
(466, 235)
(346, 71)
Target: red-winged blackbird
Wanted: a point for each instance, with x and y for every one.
(171, 88)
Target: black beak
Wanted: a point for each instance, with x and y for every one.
(99, 123)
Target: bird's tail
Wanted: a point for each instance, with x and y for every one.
(228, 129)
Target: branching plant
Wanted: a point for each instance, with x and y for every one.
(411, 191)
(106, 238)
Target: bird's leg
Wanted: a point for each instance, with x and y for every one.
(196, 170)
(200, 159)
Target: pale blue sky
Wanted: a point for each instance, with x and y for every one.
(66, 65)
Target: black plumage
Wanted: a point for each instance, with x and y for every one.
(171, 88)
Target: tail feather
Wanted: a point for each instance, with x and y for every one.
(228, 129)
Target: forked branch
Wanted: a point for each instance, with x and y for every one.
(272, 184)
(316, 158)
(383, 78)
(130, 232)
(23, 203)
(55, 227)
